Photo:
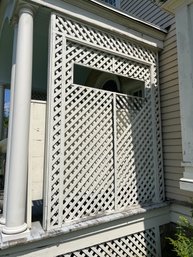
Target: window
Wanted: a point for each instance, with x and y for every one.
(112, 2)
(110, 85)
(115, 3)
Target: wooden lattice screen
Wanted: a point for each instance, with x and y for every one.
(141, 244)
(103, 148)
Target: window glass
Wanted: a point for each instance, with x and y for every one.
(112, 2)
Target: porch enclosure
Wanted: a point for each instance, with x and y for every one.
(103, 148)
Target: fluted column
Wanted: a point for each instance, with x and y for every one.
(17, 180)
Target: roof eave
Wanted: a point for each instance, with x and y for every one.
(101, 15)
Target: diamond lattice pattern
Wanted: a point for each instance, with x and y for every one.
(88, 165)
(96, 37)
(134, 151)
(139, 244)
(100, 154)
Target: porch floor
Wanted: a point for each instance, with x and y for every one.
(90, 225)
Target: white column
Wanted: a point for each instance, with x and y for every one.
(2, 220)
(17, 184)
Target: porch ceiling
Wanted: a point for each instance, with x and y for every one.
(6, 42)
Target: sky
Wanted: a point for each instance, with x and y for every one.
(7, 102)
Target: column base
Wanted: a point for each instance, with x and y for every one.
(2, 221)
(15, 237)
(14, 230)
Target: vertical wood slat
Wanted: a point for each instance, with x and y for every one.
(156, 199)
(49, 122)
(62, 135)
(115, 148)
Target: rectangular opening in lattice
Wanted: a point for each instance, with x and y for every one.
(89, 77)
(141, 244)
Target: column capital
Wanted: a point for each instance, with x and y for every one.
(26, 8)
(22, 8)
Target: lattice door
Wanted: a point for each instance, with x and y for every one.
(103, 150)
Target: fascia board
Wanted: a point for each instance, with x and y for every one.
(109, 19)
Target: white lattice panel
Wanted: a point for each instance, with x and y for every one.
(132, 69)
(76, 53)
(139, 244)
(157, 136)
(91, 168)
(102, 39)
(88, 162)
(134, 151)
(54, 157)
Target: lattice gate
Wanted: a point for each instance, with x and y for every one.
(103, 149)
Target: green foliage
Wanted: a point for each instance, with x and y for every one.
(183, 243)
(5, 121)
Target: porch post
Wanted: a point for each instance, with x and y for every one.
(17, 184)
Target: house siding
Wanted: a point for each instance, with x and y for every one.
(170, 113)
(169, 95)
(147, 11)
